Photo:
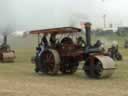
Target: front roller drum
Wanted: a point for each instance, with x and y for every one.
(8, 56)
(99, 66)
(108, 66)
(50, 61)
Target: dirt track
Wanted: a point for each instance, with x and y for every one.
(29, 84)
(18, 79)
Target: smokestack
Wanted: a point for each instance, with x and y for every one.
(5, 39)
(88, 33)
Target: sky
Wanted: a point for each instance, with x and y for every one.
(22, 15)
(117, 11)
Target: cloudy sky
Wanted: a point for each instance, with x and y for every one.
(36, 14)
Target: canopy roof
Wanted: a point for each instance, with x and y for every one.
(60, 30)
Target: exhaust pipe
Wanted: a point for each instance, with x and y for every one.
(88, 34)
(90, 48)
(5, 40)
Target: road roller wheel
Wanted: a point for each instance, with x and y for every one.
(36, 61)
(50, 62)
(93, 70)
(99, 67)
(8, 56)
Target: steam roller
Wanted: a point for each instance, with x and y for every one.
(6, 54)
(64, 56)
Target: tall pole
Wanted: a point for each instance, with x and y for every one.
(104, 17)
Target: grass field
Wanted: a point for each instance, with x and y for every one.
(19, 79)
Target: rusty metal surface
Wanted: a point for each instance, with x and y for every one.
(73, 53)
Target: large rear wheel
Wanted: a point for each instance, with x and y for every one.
(50, 62)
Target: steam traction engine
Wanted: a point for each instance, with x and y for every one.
(6, 54)
(65, 56)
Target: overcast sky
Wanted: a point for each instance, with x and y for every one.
(36, 14)
(117, 11)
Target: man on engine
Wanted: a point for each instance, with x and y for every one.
(114, 52)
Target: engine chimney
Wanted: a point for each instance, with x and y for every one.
(88, 33)
(5, 40)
